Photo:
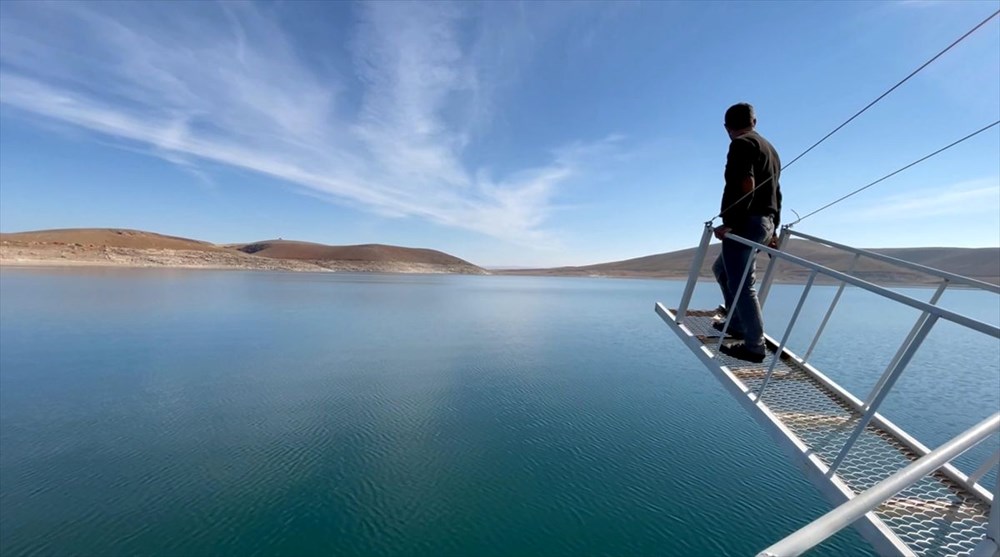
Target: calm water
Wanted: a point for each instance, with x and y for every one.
(206, 413)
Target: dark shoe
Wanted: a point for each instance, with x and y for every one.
(740, 351)
(718, 325)
(721, 312)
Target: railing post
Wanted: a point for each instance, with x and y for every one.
(986, 467)
(699, 259)
(889, 378)
(784, 338)
(906, 343)
(765, 283)
(829, 312)
(993, 526)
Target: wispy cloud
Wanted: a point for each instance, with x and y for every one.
(921, 3)
(970, 198)
(224, 83)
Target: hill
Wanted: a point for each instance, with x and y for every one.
(979, 263)
(289, 249)
(105, 237)
(136, 248)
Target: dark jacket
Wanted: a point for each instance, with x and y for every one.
(751, 155)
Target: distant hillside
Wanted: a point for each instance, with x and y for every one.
(979, 263)
(288, 249)
(136, 248)
(106, 237)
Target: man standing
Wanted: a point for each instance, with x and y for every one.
(751, 209)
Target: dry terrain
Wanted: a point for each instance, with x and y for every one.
(135, 248)
(979, 263)
(413, 259)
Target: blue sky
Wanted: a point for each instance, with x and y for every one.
(534, 134)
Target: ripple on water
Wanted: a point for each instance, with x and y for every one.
(502, 419)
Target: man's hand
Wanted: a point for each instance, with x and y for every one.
(721, 231)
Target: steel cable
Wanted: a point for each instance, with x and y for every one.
(862, 111)
(893, 173)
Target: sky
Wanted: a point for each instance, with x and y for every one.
(507, 134)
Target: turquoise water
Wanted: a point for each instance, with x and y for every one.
(203, 413)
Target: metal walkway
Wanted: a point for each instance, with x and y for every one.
(844, 446)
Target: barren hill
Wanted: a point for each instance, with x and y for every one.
(135, 248)
(105, 237)
(288, 249)
(979, 263)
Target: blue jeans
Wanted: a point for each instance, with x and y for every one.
(744, 315)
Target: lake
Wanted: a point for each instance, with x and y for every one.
(163, 412)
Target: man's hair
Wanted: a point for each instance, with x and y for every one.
(739, 116)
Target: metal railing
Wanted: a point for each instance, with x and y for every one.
(926, 307)
(928, 318)
(930, 315)
(839, 518)
(902, 263)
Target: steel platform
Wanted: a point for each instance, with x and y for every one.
(811, 417)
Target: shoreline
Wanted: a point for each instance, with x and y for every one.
(6, 263)
(71, 256)
(131, 258)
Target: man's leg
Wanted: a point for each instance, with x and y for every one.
(719, 270)
(746, 308)
(722, 277)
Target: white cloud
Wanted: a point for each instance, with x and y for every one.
(971, 198)
(226, 85)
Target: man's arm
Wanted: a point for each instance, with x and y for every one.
(739, 179)
(777, 217)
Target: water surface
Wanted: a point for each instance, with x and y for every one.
(203, 413)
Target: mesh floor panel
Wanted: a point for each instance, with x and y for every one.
(935, 516)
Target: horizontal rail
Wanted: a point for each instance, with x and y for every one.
(876, 289)
(839, 518)
(951, 277)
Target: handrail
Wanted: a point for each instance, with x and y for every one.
(788, 333)
(699, 259)
(927, 461)
(765, 284)
(884, 292)
(839, 518)
(829, 312)
(951, 277)
(885, 384)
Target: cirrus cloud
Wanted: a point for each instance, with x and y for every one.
(225, 83)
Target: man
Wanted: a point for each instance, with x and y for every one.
(751, 209)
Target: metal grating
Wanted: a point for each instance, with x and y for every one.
(935, 516)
